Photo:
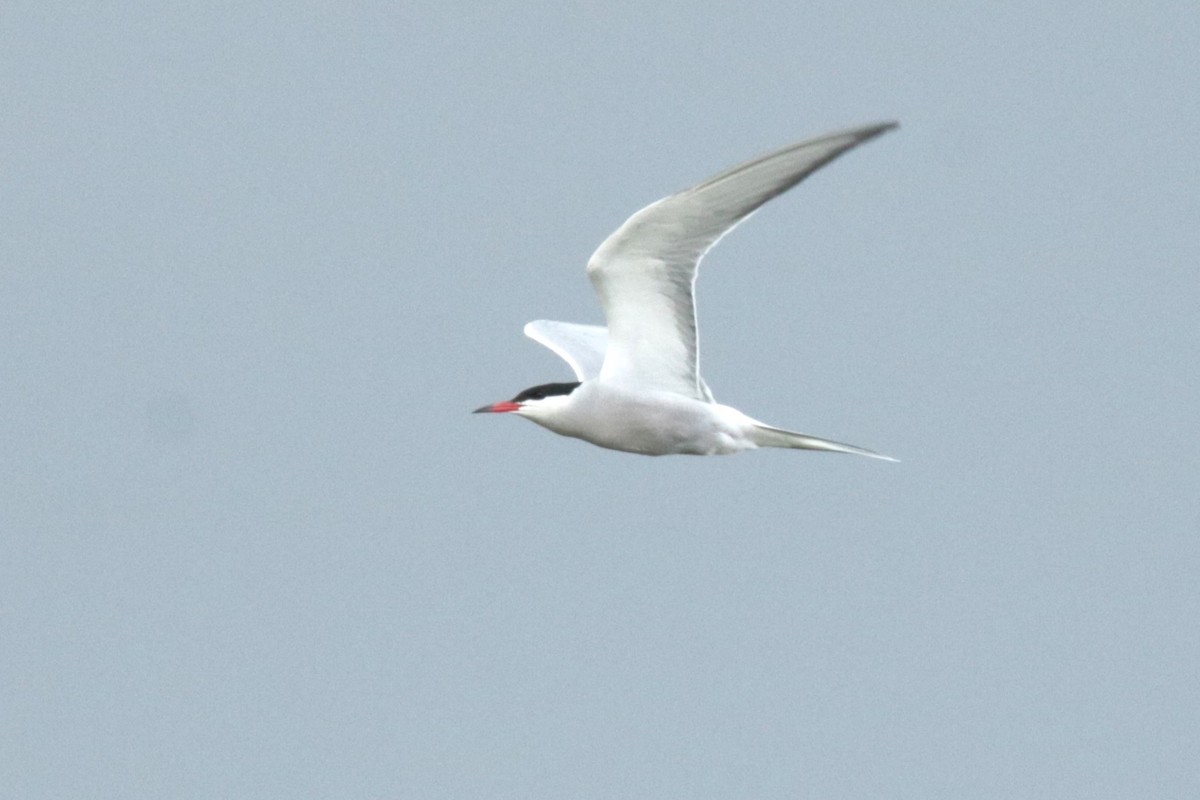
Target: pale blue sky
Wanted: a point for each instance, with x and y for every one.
(258, 265)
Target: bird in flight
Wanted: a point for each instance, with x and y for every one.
(637, 382)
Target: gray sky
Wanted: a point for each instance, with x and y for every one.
(258, 266)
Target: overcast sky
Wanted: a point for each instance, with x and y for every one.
(258, 265)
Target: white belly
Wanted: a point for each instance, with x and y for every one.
(650, 423)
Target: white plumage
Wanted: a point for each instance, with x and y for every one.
(638, 386)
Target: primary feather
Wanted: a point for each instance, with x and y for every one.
(645, 272)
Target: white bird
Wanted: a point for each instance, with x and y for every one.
(638, 386)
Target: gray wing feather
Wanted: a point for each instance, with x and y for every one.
(645, 272)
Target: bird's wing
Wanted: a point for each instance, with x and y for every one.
(581, 346)
(645, 272)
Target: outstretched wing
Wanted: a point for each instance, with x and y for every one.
(581, 346)
(645, 272)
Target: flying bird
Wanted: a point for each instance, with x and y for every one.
(637, 382)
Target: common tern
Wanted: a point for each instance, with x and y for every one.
(637, 382)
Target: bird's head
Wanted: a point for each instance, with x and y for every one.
(534, 402)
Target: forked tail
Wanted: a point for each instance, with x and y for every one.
(766, 436)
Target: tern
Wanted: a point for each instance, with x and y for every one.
(637, 384)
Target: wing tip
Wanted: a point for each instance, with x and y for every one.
(874, 129)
